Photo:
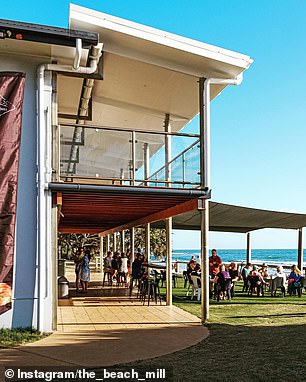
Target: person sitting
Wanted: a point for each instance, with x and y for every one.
(137, 270)
(233, 271)
(294, 282)
(264, 271)
(256, 282)
(223, 283)
(123, 271)
(245, 274)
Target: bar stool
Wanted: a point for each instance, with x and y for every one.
(109, 275)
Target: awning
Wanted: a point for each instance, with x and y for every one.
(230, 218)
(101, 209)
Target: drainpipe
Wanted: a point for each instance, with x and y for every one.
(207, 83)
(44, 171)
(204, 87)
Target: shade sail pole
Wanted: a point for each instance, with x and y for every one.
(300, 248)
(249, 248)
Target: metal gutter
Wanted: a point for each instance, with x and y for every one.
(130, 190)
(16, 30)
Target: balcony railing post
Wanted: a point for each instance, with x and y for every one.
(146, 161)
(133, 157)
(167, 126)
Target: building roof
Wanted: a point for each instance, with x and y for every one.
(147, 73)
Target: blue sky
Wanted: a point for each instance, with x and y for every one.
(258, 128)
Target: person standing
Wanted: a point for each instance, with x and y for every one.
(214, 263)
(85, 271)
(77, 258)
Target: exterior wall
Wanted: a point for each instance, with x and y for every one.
(24, 308)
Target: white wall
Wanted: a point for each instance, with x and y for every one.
(24, 309)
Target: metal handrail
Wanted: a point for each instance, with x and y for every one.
(174, 159)
(129, 130)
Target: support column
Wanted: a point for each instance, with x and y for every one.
(205, 261)
(115, 242)
(101, 254)
(204, 118)
(249, 249)
(132, 243)
(169, 261)
(147, 241)
(123, 241)
(300, 249)
(107, 243)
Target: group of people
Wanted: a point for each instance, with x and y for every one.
(120, 266)
(223, 277)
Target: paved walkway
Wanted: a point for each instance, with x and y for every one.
(106, 327)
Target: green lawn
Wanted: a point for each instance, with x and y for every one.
(251, 339)
(19, 336)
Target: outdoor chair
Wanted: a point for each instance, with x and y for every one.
(196, 286)
(277, 283)
(295, 288)
(108, 277)
(255, 286)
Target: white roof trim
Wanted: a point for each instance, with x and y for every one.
(157, 36)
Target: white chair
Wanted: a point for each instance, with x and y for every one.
(278, 282)
(196, 286)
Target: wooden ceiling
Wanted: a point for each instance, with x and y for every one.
(98, 212)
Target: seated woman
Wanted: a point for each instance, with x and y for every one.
(294, 284)
(223, 283)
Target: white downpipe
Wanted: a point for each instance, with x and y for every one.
(78, 54)
(207, 83)
(44, 176)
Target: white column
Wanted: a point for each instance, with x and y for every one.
(101, 253)
(147, 241)
(205, 261)
(132, 238)
(169, 261)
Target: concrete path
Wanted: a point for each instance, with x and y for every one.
(102, 330)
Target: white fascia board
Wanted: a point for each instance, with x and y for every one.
(157, 36)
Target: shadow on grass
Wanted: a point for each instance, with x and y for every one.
(241, 353)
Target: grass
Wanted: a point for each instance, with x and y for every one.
(19, 336)
(251, 339)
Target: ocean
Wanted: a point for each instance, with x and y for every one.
(269, 256)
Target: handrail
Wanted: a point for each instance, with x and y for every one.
(129, 130)
(174, 159)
